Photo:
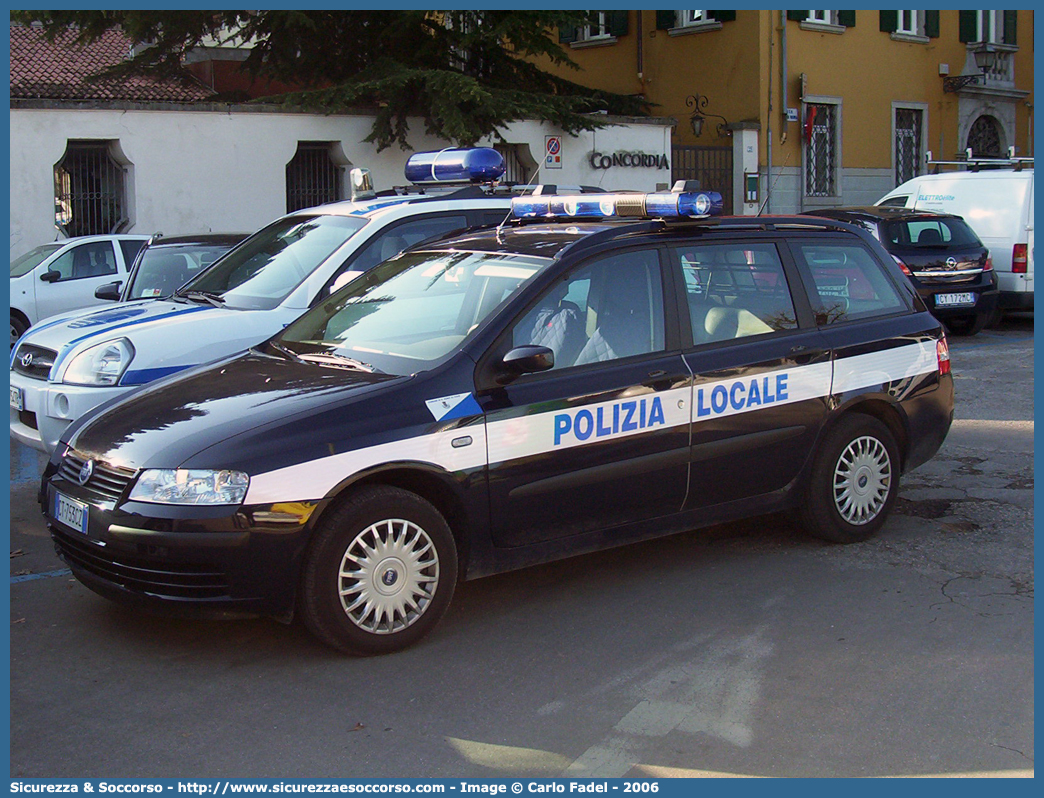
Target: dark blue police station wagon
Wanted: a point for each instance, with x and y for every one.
(600, 370)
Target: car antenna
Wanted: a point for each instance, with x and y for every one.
(768, 193)
(508, 215)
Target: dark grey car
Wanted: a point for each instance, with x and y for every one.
(943, 257)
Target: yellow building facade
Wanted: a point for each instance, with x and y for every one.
(803, 109)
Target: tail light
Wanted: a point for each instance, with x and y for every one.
(903, 266)
(1018, 259)
(942, 352)
(989, 264)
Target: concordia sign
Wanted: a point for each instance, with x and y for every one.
(602, 161)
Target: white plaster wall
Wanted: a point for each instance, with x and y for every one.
(197, 170)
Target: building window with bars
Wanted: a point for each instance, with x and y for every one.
(821, 149)
(90, 193)
(516, 168)
(984, 138)
(908, 153)
(313, 177)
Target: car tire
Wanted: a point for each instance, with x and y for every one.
(854, 481)
(18, 328)
(379, 573)
(966, 325)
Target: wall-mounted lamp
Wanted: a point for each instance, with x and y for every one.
(698, 102)
(985, 58)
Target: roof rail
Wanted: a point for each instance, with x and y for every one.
(973, 164)
(627, 226)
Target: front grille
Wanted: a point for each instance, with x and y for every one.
(28, 418)
(107, 481)
(39, 361)
(140, 574)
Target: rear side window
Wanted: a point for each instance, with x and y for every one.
(848, 283)
(920, 233)
(735, 291)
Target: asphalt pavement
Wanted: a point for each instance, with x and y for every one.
(743, 650)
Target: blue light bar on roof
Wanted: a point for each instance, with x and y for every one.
(471, 165)
(667, 205)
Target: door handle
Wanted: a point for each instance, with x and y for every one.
(658, 380)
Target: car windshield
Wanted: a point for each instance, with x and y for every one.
(410, 312)
(30, 260)
(161, 270)
(942, 232)
(265, 268)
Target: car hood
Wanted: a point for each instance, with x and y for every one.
(163, 424)
(167, 336)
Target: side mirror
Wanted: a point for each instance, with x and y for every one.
(526, 360)
(108, 291)
(51, 276)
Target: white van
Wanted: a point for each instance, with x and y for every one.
(998, 204)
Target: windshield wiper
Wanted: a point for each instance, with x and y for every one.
(288, 352)
(336, 359)
(205, 296)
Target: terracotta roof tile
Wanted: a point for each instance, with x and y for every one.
(59, 71)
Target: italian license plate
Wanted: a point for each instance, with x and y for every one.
(17, 399)
(951, 300)
(70, 512)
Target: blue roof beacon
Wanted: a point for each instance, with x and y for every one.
(663, 205)
(470, 165)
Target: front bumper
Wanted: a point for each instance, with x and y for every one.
(51, 407)
(183, 560)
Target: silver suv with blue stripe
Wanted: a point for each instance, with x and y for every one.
(68, 364)
(600, 370)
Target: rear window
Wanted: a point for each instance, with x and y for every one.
(848, 284)
(920, 233)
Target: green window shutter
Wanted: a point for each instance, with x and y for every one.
(723, 16)
(931, 24)
(566, 35)
(1010, 19)
(889, 21)
(967, 26)
(665, 20)
(797, 16)
(617, 23)
(846, 18)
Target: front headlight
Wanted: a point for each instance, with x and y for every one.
(103, 364)
(190, 486)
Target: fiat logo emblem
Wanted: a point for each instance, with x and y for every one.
(85, 472)
(951, 262)
(26, 360)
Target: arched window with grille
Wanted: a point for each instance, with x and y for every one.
(313, 176)
(90, 192)
(516, 168)
(984, 138)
